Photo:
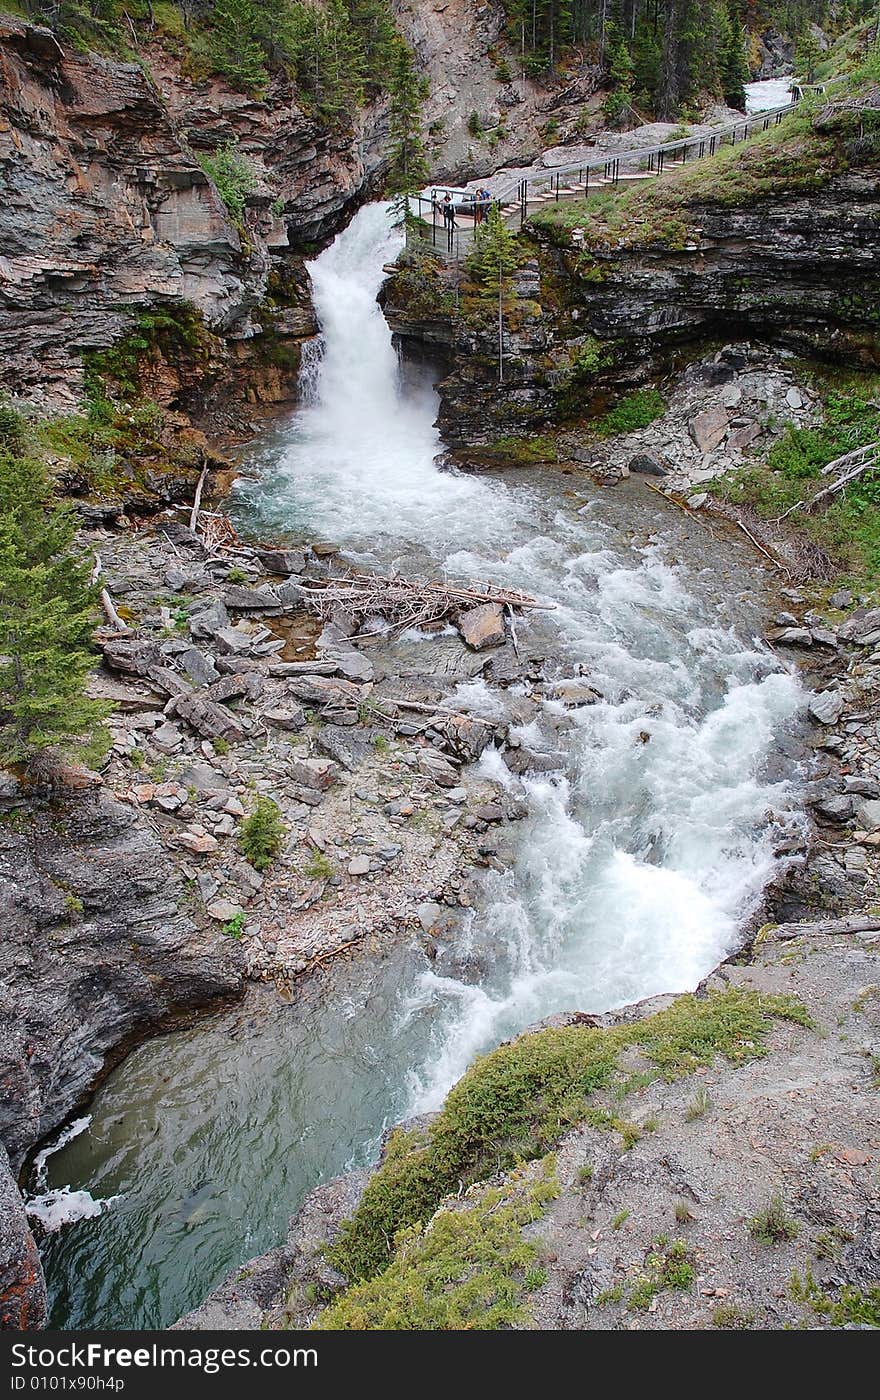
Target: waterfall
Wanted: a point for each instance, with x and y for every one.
(645, 854)
(359, 460)
(641, 854)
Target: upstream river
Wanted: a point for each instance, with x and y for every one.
(636, 867)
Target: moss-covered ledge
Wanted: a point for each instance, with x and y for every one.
(515, 1103)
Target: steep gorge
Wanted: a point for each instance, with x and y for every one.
(101, 159)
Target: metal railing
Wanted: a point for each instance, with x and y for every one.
(642, 162)
(580, 178)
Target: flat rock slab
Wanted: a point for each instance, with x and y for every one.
(282, 561)
(316, 773)
(827, 706)
(483, 626)
(708, 429)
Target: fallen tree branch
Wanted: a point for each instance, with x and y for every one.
(194, 514)
(864, 463)
(110, 612)
(407, 602)
(858, 923)
(777, 564)
(676, 501)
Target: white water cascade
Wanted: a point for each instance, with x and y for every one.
(649, 836)
(648, 849)
(358, 461)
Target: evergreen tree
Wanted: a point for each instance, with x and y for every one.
(807, 56)
(46, 618)
(408, 170)
(619, 66)
(494, 254)
(234, 47)
(733, 63)
(262, 834)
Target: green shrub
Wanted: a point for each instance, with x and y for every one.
(515, 1102)
(632, 412)
(11, 429)
(468, 1269)
(727, 1317)
(47, 616)
(234, 177)
(262, 834)
(772, 1225)
(235, 927)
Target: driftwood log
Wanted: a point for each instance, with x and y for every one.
(407, 602)
(855, 464)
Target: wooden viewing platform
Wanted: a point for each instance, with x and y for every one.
(524, 194)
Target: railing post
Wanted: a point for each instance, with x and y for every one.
(587, 184)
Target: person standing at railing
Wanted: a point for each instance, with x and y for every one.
(448, 210)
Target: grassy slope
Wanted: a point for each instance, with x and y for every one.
(513, 1105)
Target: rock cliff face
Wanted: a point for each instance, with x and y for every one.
(95, 949)
(107, 211)
(95, 952)
(460, 46)
(802, 274)
(22, 1290)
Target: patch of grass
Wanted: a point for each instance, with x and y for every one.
(585, 1174)
(633, 411)
(727, 1317)
(221, 746)
(650, 1125)
(619, 1219)
(525, 451)
(234, 178)
(73, 907)
(772, 1224)
(319, 866)
(380, 743)
(683, 1213)
(849, 528)
(237, 575)
(865, 995)
(850, 1305)
(468, 1269)
(609, 1295)
(698, 1106)
(829, 1243)
(262, 834)
(667, 1266)
(515, 1102)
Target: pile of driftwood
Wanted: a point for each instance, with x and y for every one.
(406, 602)
(849, 467)
(798, 557)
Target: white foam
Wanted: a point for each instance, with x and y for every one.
(66, 1135)
(63, 1206)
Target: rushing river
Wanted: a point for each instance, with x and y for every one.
(636, 867)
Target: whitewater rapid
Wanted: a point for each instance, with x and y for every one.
(648, 850)
(649, 838)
